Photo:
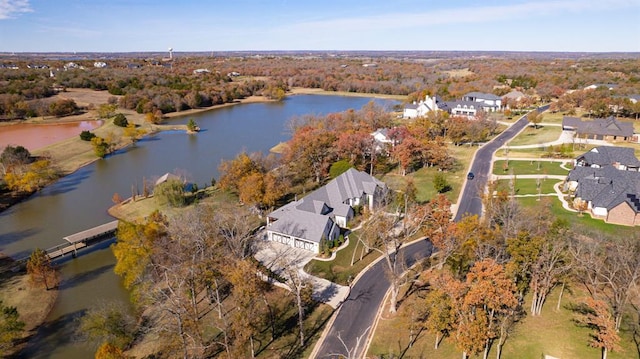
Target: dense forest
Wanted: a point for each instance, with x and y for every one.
(149, 85)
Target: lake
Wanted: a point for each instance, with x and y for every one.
(80, 200)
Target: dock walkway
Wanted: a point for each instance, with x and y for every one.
(83, 239)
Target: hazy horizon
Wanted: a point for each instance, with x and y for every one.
(120, 26)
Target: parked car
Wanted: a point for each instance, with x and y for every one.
(470, 176)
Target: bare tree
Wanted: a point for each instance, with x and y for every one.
(609, 269)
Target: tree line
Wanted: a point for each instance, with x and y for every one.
(147, 88)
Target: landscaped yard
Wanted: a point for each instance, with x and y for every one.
(340, 270)
(549, 117)
(553, 333)
(529, 167)
(582, 224)
(525, 186)
(532, 136)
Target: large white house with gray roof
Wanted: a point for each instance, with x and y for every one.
(306, 222)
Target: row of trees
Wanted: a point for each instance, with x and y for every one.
(14, 107)
(151, 87)
(599, 102)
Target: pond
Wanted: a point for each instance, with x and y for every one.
(36, 136)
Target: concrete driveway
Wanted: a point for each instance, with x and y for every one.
(277, 257)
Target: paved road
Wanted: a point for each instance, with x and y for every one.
(357, 314)
(470, 201)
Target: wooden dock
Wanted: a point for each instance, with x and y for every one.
(83, 239)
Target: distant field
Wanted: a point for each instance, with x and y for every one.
(459, 72)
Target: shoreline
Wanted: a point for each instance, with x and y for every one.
(36, 322)
(83, 157)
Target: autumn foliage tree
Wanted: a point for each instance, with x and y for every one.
(535, 118)
(602, 321)
(254, 178)
(40, 269)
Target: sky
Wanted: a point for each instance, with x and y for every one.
(263, 25)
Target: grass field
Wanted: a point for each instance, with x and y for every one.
(549, 117)
(553, 333)
(423, 178)
(539, 152)
(530, 167)
(532, 136)
(524, 186)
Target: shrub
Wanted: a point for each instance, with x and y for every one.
(440, 183)
(339, 168)
(170, 192)
(120, 120)
(87, 135)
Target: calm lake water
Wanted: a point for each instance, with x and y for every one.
(81, 200)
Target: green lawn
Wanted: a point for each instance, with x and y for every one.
(532, 136)
(531, 167)
(340, 270)
(553, 333)
(529, 185)
(538, 152)
(548, 117)
(581, 224)
(423, 178)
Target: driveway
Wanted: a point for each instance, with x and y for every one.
(277, 257)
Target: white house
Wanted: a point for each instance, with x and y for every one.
(464, 108)
(382, 140)
(420, 109)
(99, 64)
(489, 102)
(201, 71)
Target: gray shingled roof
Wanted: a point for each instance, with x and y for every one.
(323, 203)
(608, 155)
(600, 126)
(607, 187)
(482, 95)
(568, 121)
(303, 224)
(474, 104)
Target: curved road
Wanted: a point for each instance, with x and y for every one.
(356, 315)
(470, 201)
